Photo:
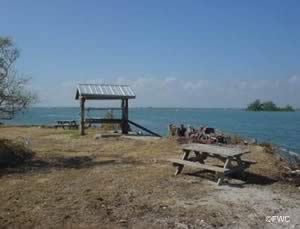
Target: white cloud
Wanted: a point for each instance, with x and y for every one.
(294, 79)
(186, 93)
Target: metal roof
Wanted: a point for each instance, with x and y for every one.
(104, 91)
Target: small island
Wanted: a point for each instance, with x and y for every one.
(257, 105)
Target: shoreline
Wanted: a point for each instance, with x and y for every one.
(265, 126)
(284, 153)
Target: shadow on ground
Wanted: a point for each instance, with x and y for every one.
(75, 162)
(248, 178)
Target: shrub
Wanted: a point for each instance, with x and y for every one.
(13, 153)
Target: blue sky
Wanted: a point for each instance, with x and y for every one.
(173, 53)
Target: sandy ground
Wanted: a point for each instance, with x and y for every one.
(82, 182)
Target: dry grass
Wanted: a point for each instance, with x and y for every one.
(268, 164)
(76, 181)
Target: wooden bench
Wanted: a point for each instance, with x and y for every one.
(177, 162)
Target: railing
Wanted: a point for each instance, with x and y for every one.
(143, 128)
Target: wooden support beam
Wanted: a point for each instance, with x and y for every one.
(222, 176)
(103, 120)
(125, 125)
(126, 116)
(104, 108)
(180, 166)
(82, 101)
(143, 128)
(123, 116)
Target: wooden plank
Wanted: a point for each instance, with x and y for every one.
(198, 165)
(248, 161)
(217, 150)
(102, 120)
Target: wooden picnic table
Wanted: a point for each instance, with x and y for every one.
(66, 123)
(226, 154)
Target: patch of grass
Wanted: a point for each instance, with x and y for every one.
(74, 134)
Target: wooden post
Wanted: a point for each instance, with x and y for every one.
(126, 116)
(82, 100)
(221, 178)
(123, 116)
(124, 106)
(180, 167)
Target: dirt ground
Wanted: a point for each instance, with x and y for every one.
(82, 182)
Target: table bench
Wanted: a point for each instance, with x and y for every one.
(225, 154)
(71, 124)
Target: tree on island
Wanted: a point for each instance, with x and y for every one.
(14, 96)
(254, 106)
(257, 105)
(269, 106)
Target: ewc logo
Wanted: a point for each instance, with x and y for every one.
(278, 219)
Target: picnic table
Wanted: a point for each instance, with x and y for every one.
(66, 123)
(228, 155)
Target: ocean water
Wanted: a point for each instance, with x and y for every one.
(280, 128)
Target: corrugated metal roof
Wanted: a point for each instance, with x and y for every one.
(104, 91)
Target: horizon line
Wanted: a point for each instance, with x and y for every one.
(154, 107)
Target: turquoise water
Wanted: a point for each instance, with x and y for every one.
(280, 128)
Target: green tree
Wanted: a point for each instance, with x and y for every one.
(255, 106)
(13, 94)
(288, 108)
(269, 106)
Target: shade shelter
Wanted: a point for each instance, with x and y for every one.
(105, 92)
